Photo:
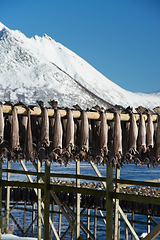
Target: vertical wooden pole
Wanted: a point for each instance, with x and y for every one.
(46, 200)
(51, 234)
(24, 217)
(125, 230)
(116, 212)
(132, 237)
(78, 202)
(33, 216)
(95, 223)
(39, 202)
(0, 196)
(72, 232)
(88, 221)
(59, 225)
(8, 198)
(109, 201)
(148, 224)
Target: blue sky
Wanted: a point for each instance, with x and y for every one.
(120, 38)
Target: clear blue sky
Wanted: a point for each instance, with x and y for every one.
(120, 38)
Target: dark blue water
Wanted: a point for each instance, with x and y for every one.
(130, 172)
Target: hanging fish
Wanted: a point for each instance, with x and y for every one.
(29, 141)
(70, 131)
(24, 131)
(84, 132)
(149, 131)
(44, 126)
(15, 130)
(125, 136)
(57, 132)
(141, 140)
(1, 124)
(103, 135)
(157, 139)
(133, 133)
(110, 139)
(117, 141)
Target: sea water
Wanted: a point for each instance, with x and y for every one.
(129, 172)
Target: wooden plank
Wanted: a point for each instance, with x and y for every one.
(109, 201)
(39, 233)
(76, 114)
(78, 201)
(7, 198)
(46, 201)
(154, 233)
(0, 194)
(135, 198)
(116, 212)
(140, 183)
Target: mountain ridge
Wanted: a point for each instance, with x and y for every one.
(39, 68)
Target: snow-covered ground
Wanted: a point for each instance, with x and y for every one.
(39, 68)
(13, 237)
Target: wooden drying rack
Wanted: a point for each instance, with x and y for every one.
(76, 114)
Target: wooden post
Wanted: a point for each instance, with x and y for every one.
(33, 216)
(24, 217)
(72, 232)
(109, 201)
(148, 224)
(78, 201)
(125, 230)
(8, 198)
(46, 200)
(116, 212)
(39, 202)
(51, 234)
(59, 225)
(132, 237)
(0, 196)
(88, 221)
(95, 223)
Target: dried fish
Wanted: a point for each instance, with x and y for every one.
(103, 136)
(15, 130)
(117, 141)
(70, 131)
(44, 126)
(157, 140)
(141, 140)
(150, 131)
(1, 124)
(24, 131)
(29, 142)
(84, 132)
(57, 132)
(133, 133)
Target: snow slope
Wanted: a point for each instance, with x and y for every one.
(39, 68)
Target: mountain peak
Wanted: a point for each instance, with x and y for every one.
(39, 68)
(3, 27)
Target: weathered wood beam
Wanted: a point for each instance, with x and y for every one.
(135, 198)
(76, 114)
(46, 201)
(109, 201)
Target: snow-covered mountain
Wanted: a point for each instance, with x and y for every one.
(39, 68)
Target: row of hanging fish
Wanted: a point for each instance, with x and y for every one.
(65, 139)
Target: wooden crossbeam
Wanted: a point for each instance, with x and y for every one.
(76, 114)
